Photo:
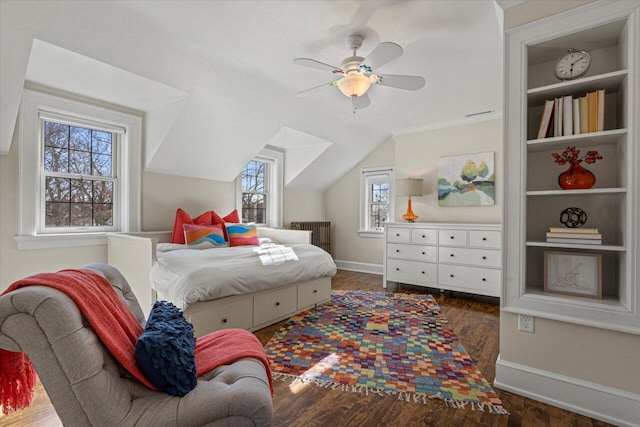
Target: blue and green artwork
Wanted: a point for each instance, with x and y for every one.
(466, 180)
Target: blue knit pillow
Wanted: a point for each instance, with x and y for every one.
(164, 351)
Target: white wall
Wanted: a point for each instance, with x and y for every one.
(342, 208)
(417, 156)
(302, 206)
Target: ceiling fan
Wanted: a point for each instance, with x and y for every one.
(357, 73)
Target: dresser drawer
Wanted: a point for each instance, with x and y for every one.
(452, 237)
(273, 305)
(411, 252)
(479, 257)
(398, 235)
(314, 292)
(236, 314)
(418, 273)
(423, 236)
(484, 281)
(485, 239)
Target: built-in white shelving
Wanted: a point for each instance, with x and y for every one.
(534, 199)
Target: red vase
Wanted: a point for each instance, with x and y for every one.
(576, 178)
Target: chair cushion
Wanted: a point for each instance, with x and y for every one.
(164, 350)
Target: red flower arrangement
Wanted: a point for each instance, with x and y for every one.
(571, 155)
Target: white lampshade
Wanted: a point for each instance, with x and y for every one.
(408, 187)
(354, 84)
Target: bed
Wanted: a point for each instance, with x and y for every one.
(249, 302)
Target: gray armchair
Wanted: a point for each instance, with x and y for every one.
(89, 388)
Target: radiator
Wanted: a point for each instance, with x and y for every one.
(320, 232)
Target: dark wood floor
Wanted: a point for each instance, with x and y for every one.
(476, 323)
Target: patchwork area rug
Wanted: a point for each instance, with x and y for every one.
(388, 344)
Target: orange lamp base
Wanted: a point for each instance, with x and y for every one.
(409, 216)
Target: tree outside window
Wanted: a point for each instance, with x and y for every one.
(255, 192)
(378, 205)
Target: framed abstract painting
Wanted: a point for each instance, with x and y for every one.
(467, 180)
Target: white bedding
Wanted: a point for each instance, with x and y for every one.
(186, 276)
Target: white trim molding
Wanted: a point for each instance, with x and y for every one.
(460, 122)
(593, 400)
(359, 267)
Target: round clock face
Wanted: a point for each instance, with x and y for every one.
(572, 65)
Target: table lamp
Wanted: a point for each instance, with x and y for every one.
(408, 187)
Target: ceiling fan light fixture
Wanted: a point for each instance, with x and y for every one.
(354, 84)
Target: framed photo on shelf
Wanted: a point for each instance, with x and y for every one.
(573, 273)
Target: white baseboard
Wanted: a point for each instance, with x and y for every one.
(593, 400)
(360, 267)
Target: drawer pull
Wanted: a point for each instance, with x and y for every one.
(451, 255)
(397, 269)
(484, 239)
(451, 275)
(484, 280)
(315, 291)
(397, 250)
(424, 236)
(225, 320)
(424, 253)
(397, 234)
(423, 272)
(452, 237)
(277, 302)
(484, 257)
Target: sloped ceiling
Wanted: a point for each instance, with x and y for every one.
(216, 80)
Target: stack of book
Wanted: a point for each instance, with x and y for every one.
(572, 116)
(581, 236)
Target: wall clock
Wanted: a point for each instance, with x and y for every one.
(572, 64)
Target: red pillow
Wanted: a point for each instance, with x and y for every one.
(177, 235)
(232, 217)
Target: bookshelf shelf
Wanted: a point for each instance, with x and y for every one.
(585, 140)
(610, 248)
(609, 81)
(533, 199)
(591, 191)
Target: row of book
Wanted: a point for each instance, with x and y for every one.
(582, 236)
(573, 116)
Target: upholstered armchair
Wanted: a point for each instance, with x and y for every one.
(89, 388)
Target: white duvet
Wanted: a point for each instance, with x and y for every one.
(186, 276)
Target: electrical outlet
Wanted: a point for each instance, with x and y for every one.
(525, 323)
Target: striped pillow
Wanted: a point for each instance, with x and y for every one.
(204, 235)
(242, 234)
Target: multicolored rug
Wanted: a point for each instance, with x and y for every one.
(388, 344)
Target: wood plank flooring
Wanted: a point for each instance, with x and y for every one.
(476, 323)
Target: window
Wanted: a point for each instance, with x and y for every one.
(376, 200)
(255, 192)
(259, 188)
(78, 178)
(79, 172)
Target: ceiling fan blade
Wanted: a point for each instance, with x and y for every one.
(318, 65)
(382, 54)
(401, 82)
(362, 101)
(333, 83)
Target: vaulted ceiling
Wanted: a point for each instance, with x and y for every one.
(216, 81)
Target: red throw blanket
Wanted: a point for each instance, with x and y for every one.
(118, 330)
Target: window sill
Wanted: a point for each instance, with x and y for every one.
(48, 241)
(371, 234)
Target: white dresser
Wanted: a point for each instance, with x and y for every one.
(456, 257)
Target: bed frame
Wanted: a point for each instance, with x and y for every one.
(135, 253)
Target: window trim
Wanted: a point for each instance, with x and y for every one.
(275, 186)
(36, 104)
(365, 173)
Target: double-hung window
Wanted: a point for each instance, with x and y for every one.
(260, 187)
(79, 176)
(255, 192)
(376, 200)
(79, 172)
